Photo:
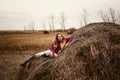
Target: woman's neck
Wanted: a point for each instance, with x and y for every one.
(62, 44)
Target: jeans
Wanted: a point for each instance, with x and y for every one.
(46, 53)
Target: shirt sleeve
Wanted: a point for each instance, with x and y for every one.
(52, 48)
(69, 39)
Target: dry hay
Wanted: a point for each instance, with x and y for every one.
(94, 54)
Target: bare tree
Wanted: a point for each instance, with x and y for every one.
(85, 16)
(49, 23)
(25, 28)
(108, 17)
(112, 15)
(63, 18)
(118, 20)
(118, 15)
(31, 26)
(80, 20)
(104, 16)
(52, 17)
(50, 26)
(44, 25)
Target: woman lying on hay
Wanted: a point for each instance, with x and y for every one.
(57, 45)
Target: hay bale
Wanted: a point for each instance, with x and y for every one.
(94, 54)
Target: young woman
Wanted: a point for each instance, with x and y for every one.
(57, 45)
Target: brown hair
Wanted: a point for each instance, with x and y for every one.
(56, 38)
(56, 41)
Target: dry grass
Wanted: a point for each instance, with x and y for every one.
(94, 54)
(22, 42)
(16, 48)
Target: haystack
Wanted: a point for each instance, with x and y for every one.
(93, 54)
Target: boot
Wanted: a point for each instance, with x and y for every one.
(24, 64)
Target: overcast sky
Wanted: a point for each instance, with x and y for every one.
(15, 14)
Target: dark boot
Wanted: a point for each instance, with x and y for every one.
(24, 64)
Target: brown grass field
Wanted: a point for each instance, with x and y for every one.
(16, 48)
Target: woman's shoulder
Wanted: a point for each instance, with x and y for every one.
(53, 41)
(69, 38)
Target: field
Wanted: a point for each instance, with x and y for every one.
(16, 48)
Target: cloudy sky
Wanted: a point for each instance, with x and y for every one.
(15, 14)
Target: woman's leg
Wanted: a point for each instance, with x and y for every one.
(45, 53)
(49, 53)
(40, 54)
(31, 58)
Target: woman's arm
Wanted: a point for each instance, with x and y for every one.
(55, 55)
(68, 40)
(67, 44)
(53, 47)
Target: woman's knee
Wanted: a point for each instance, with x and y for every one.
(39, 54)
(36, 55)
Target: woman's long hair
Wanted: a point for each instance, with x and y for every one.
(56, 41)
(56, 38)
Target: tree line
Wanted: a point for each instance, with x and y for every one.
(111, 16)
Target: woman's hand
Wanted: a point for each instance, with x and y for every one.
(66, 44)
(59, 51)
(55, 55)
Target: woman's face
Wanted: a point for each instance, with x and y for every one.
(60, 37)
